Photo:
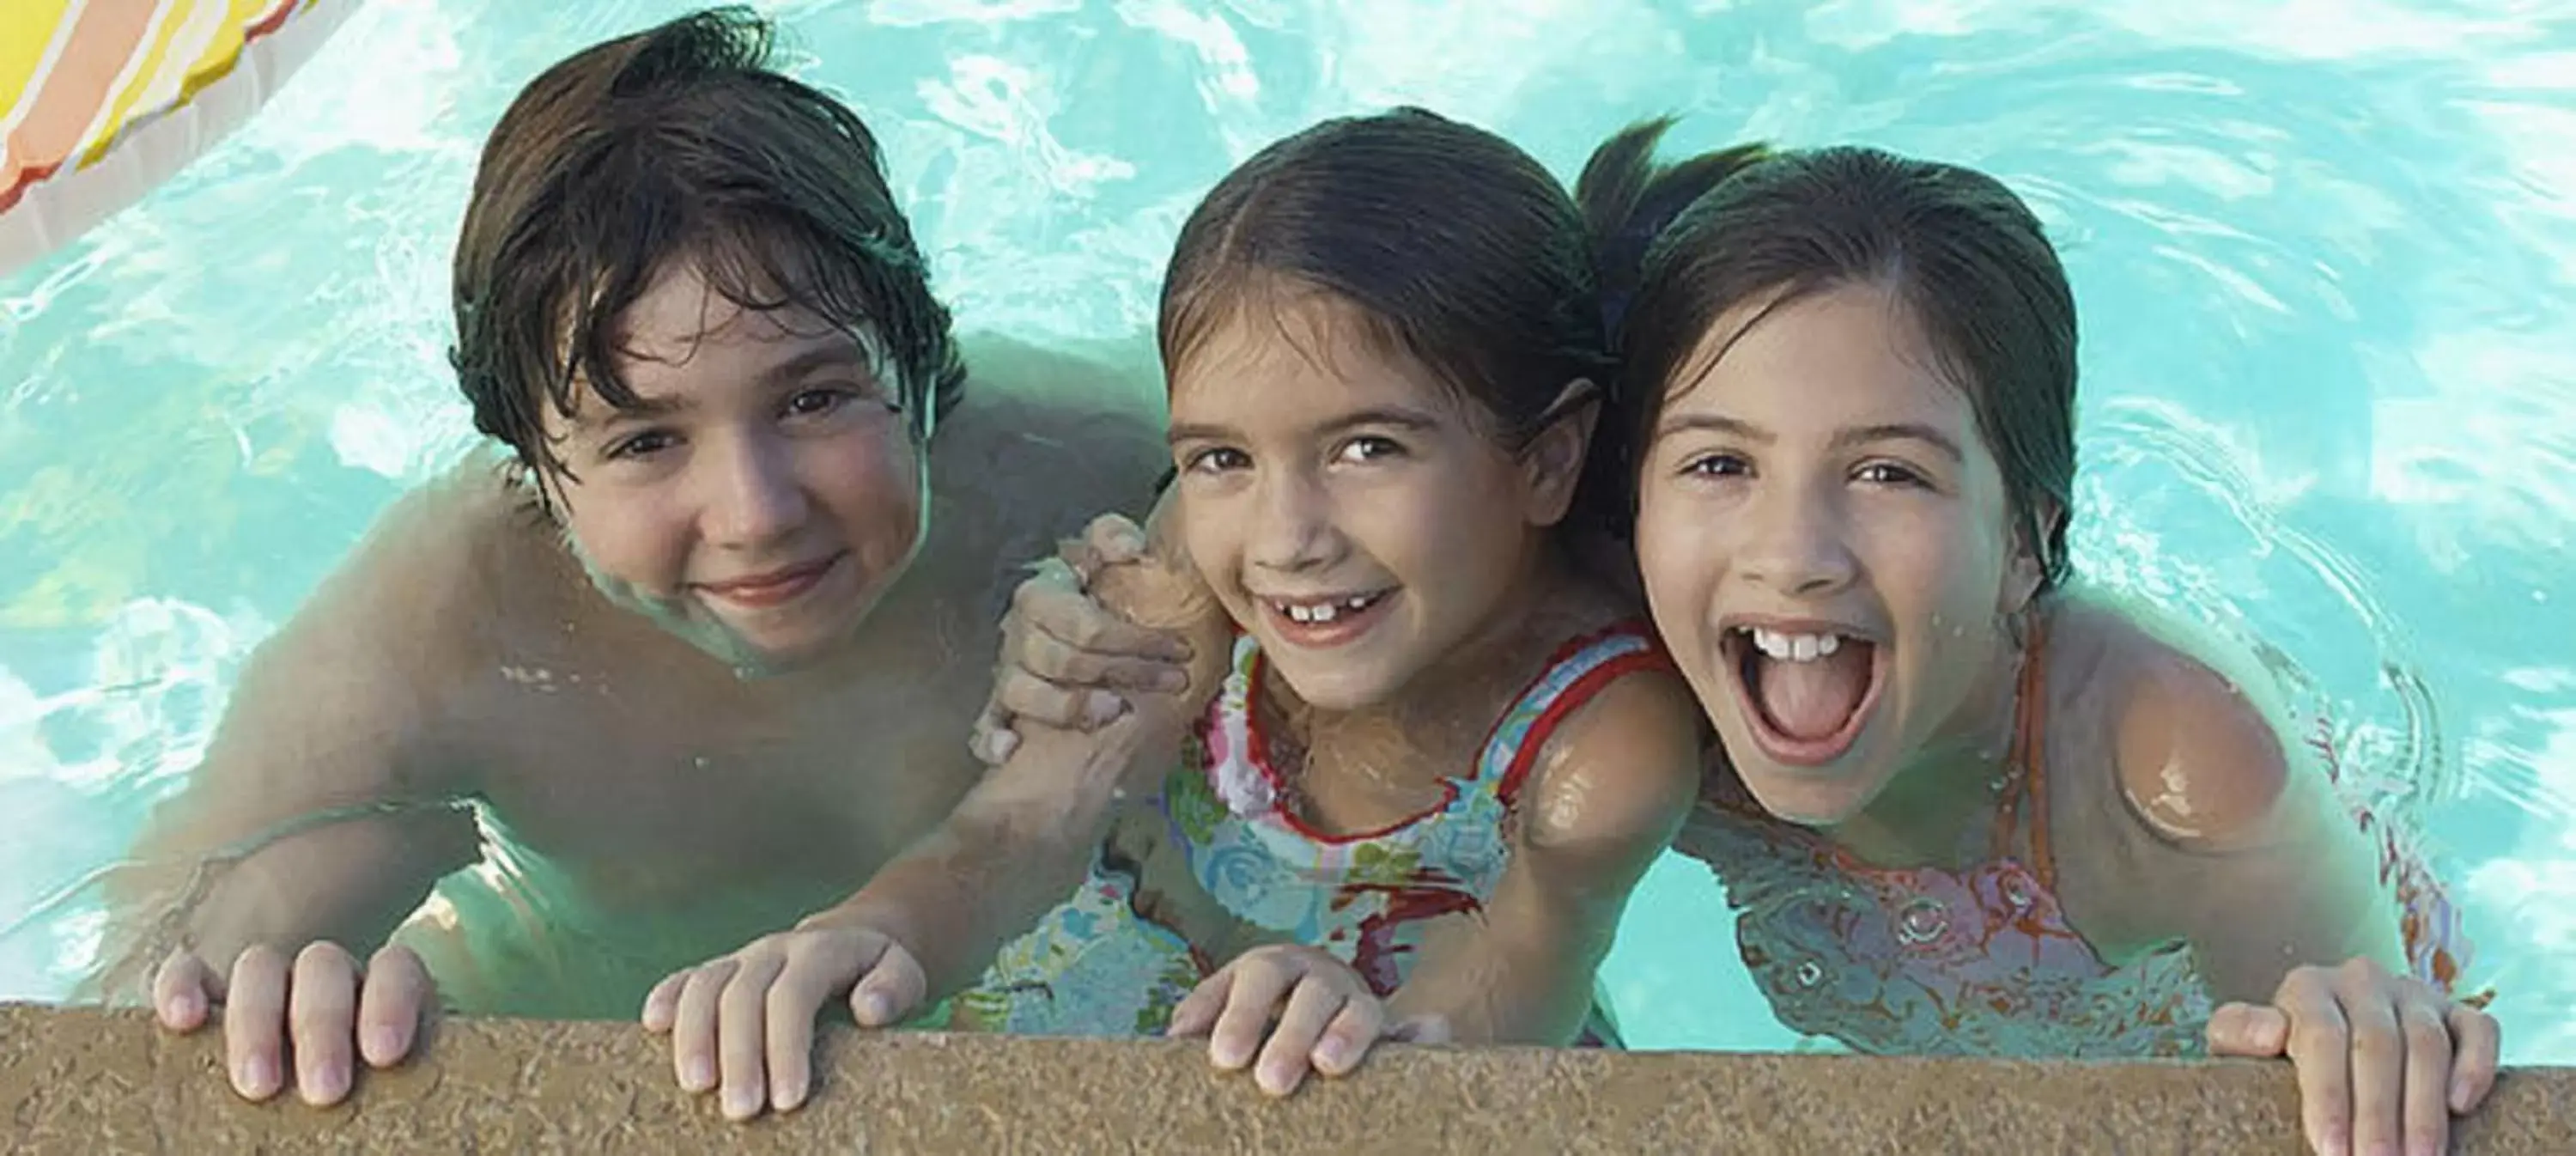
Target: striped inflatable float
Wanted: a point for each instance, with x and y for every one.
(102, 99)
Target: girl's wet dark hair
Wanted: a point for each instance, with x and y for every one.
(1967, 257)
(1628, 201)
(1461, 251)
(681, 142)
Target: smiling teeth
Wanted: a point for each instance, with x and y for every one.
(1314, 612)
(1795, 647)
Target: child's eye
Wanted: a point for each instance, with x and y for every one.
(1369, 449)
(1888, 474)
(820, 400)
(642, 444)
(1216, 460)
(1717, 465)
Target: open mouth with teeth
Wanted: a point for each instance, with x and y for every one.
(1807, 694)
(1328, 621)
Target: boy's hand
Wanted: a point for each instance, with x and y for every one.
(2382, 1059)
(1316, 1012)
(749, 1017)
(1065, 657)
(322, 1000)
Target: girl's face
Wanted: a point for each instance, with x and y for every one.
(1356, 516)
(1823, 536)
(766, 496)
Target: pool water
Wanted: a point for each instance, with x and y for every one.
(2325, 252)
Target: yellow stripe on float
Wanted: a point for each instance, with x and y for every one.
(225, 48)
(31, 32)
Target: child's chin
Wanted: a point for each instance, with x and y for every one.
(1803, 810)
(1808, 796)
(1342, 689)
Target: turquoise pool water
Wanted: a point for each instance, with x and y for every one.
(2326, 253)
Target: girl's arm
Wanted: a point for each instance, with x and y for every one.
(2288, 918)
(1608, 795)
(2285, 876)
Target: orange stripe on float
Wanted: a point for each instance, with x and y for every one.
(102, 42)
(274, 20)
(172, 19)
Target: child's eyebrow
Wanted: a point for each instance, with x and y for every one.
(834, 354)
(1844, 439)
(589, 419)
(1385, 416)
(1900, 431)
(1199, 432)
(787, 371)
(1395, 416)
(1713, 423)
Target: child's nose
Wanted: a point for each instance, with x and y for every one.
(755, 497)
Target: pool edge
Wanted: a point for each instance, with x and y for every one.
(88, 1080)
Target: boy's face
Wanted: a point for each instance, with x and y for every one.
(767, 494)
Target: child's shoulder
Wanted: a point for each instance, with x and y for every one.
(431, 555)
(1043, 439)
(1096, 406)
(1627, 756)
(2184, 716)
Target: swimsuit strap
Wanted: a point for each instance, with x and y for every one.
(1574, 674)
(2026, 763)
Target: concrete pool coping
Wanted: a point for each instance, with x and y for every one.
(87, 1080)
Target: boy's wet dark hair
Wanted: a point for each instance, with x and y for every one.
(1965, 255)
(1462, 252)
(678, 143)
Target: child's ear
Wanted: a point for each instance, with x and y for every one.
(2022, 584)
(2030, 563)
(1552, 464)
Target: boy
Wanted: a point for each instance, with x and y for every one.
(704, 650)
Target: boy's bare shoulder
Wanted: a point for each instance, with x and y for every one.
(438, 573)
(1093, 406)
(1045, 438)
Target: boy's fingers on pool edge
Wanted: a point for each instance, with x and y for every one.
(391, 997)
(322, 1019)
(693, 1025)
(742, 1027)
(794, 999)
(892, 987)
(662, 1004)
(255, 1022)
(183, 991)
